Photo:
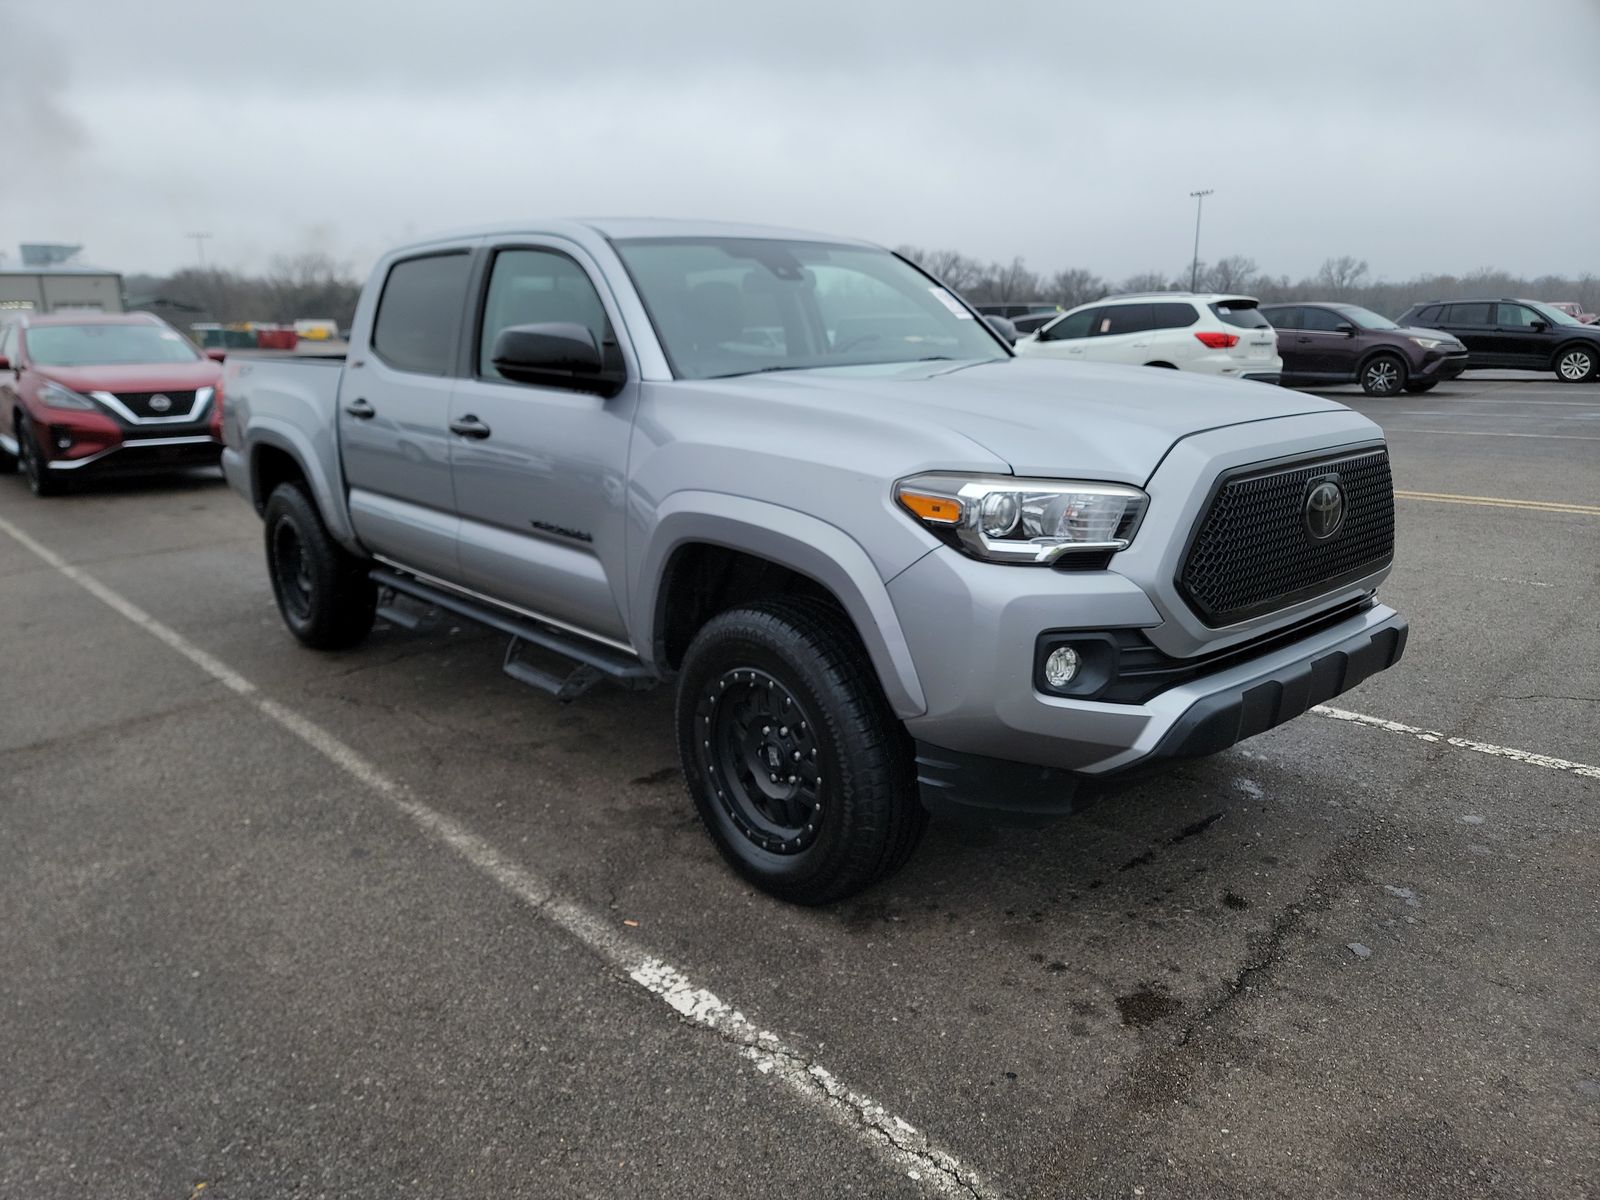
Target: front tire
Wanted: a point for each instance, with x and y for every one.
(798, 768)
(323, 592)
(40, 481)
(1417, 389)
(1577, 364)
(1383, 375)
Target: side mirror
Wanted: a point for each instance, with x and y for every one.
(5, 363)
(1004, 328)
(216, 355)
(1539, 326)
(1347, 329)
(553, 354)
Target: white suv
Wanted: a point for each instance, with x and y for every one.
(1214, 333)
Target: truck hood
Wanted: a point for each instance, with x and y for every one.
(136, 377)
(1045, 418)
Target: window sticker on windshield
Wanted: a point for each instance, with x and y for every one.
(950, 302)
(166, 335)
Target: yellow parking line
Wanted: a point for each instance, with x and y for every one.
(1588, 510)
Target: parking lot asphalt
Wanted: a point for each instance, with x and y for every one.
(277, 924)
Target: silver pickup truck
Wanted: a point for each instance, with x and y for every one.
(890, 568)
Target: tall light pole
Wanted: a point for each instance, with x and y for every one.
(200, 246)
(1199, 203)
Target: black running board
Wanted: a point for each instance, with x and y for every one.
(589, 662)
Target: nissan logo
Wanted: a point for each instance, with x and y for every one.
(160, 403)
(1324, 508)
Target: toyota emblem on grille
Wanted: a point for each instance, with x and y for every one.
(1324, 508)
(160, 403)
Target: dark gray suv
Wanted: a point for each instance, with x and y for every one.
(1522, 334)
(1324, 343)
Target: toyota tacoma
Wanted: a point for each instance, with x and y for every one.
(889, 567)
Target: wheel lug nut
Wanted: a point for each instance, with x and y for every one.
(783, 731)
(766, 729)
(797, 756)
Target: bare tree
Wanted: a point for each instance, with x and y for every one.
(1006, 283)
(1341, 275)
(1231, 274)
(1147, 281)
(1073, 287)
(956, 269)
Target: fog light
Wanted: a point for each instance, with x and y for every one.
(63, 441)
(1062, 666)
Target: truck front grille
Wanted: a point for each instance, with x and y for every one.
(1253, 552)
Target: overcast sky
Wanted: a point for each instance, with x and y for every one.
(1421, 135)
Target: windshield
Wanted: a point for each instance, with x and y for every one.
(1556, 315)
(106, 345)
(1366, 318)
(734, 306)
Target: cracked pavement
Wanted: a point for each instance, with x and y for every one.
(225, 963)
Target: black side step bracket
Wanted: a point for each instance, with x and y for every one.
(589, 662)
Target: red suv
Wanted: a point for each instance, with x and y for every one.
(85, 393)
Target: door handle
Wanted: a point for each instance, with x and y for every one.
(469, 426)
(1302, 339)
(360, 410)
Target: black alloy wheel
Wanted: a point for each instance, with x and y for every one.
(291, 571)
(324, 594)
(800, 771)
(760, 754)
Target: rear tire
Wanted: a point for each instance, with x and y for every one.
(798, 768)
(322, 589)
(1418, 388)
(1577, 364)
(1383, 375)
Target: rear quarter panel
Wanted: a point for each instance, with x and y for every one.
(288, 404)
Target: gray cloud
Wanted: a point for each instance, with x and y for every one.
(1420, 136)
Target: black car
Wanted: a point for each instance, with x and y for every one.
(1323, 343)
(1522, 334)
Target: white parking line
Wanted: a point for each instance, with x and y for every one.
(1461, 743)
(900, 1144)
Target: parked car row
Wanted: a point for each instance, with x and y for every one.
(1316, 343)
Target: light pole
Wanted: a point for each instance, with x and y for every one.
(1199, 203)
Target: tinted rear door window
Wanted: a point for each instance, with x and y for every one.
(1172, 315)
(1123, 318)
(1243, 314)
(1466, 314)
(1517, 316)
(420, 311)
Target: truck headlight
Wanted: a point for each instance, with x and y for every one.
(53, 395)
(1024, 520)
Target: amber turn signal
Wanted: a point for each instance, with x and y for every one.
(940, 509)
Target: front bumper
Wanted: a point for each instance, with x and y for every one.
(1197, 718)
(138, 455)
(1440, 368)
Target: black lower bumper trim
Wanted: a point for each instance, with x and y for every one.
(1221, 720)
(972, 786)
